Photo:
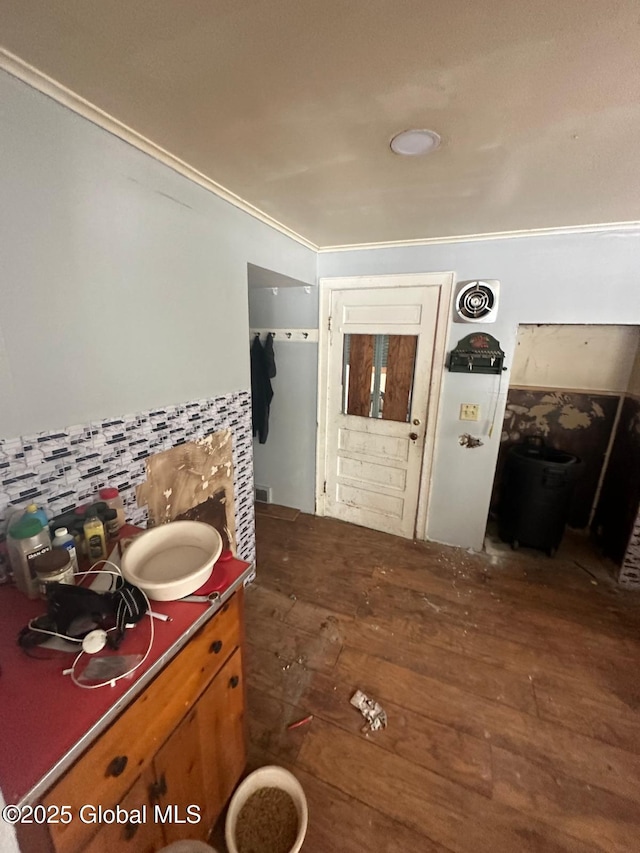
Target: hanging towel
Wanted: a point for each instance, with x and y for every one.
(270, 356)
(261, 390)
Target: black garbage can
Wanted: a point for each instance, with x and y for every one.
(536, 488)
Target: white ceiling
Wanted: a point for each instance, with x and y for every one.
(290, 104)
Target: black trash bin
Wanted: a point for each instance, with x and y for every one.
(536, 488)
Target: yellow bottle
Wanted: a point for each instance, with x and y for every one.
(95, 538)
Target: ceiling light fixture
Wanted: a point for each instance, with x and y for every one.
(411, 143)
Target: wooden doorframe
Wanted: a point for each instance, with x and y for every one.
(444, 281)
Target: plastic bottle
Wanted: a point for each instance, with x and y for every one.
(110, 518)
(53, 567)
(37, 512)
(66, 540)
(114, 501)
(77, 526)
(95, 538)
(26, 539)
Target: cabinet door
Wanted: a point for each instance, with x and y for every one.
(134, 836)
(112, 764)
(222, 734)
(180, 806)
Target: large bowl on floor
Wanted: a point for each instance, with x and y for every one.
(173, 560)
(271, 776)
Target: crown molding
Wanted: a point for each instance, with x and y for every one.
(58, 92)
(495, 235)
(37, 79)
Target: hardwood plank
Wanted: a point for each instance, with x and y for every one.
(286, 513)
(313, 651)
(332, 825)
(261, 601)
(401, 639)
(437, 635)
(580, 810)
(268, 720)
(544, 743)
(340, 822)
(499, 615)
(267, 672)
(374, 636)
(602, 715)
(444, 812)
(457, 756)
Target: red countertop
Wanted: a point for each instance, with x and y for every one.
(47, 721)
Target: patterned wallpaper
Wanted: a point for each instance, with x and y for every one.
(63, 468)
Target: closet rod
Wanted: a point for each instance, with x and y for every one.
(298, 336)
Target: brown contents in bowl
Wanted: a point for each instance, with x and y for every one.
(267, 822)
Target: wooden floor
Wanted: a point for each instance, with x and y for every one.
(511, 684)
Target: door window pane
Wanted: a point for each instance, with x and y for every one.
(378, 375)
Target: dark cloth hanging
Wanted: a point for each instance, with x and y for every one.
(261, 390)
(270, 356)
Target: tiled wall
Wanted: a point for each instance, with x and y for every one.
(66, 467)
(630, 569)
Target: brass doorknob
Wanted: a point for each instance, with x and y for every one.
(413, 436)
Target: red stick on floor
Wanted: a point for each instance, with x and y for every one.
(302, 722)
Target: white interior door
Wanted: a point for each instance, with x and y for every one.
(379, 370)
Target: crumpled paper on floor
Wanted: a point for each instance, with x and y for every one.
(374, 714)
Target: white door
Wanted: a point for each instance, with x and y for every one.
(379, 377)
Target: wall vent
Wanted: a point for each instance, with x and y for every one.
(476, 301)
(263, 494)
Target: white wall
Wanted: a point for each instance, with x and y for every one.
(123, 284)
(592, 358)
(581, 278)
(287, 462)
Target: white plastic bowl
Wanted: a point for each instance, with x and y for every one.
(173, 560)
(271, 776)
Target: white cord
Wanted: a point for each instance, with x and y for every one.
(111, 681)
(69, 639)
(32, 627)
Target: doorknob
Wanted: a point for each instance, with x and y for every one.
(413, 436)
(416, 421)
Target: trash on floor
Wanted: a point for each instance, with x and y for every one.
(374, 714)
(299, 723)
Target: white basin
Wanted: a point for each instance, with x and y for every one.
(271, 776)
(172, 560)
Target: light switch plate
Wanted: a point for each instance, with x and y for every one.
(469, 411)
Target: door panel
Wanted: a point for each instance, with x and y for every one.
(138, 837)
(357, 441)
(359, 499)
(371, 472)
(354, 314)
(178, 766)
(379, 377)
(220, 717)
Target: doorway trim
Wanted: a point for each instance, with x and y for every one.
(444, 281)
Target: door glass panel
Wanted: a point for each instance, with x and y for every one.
(377, 376)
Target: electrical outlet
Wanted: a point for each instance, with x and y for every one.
(469, 411)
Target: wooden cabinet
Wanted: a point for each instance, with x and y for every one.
(175, 753)
(145, 836)
(222, 734)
